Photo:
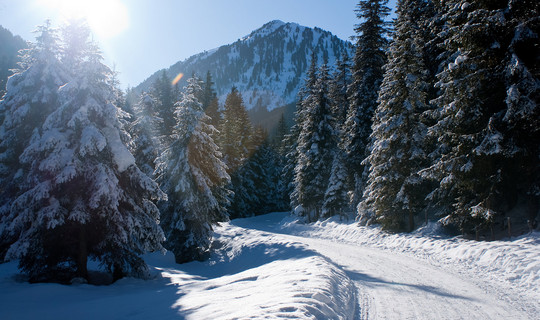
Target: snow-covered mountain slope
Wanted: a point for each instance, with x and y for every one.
(268, 66)
(271, 267)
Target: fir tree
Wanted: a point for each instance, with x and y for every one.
(394, 192)
(467, 130)
(146, 146)
(31, 96)
(367, 74)
(520, 122)
(162, 90)
(194, 177)
(85, 197)
(315, 147)
(236, 130)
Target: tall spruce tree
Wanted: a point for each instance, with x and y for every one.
(394, 192)
(336, 196)
(472, 97)
(192, 173)
(315, 146)
(521, 120)
(31, 96)
(84, 195)
(367, 73)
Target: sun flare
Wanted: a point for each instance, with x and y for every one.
(106, 18)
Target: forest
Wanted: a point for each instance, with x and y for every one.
(434, 118)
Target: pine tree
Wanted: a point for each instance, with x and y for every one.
(315, 147)
(146, 145)
(31, 96)
(367, 73)
(292, 139)
(336, 196)
(194, 177)
(467, 130)
(235, 131)
(162, 90)
(521, 120)
(85, 196)
(394, 193)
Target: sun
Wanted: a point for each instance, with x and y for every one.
(106, 18)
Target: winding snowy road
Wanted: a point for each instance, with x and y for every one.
(396, 286)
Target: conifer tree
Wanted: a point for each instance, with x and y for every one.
(467, 130)
(236, 132)
(194, 177)
(146, 145)
(521, 119)
(32, 94)
(367, 73)
(85, 197)
(315, 147)
(162, 90)
(394, 192)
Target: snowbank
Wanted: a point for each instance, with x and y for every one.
(251, 274)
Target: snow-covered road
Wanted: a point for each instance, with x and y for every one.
(393, 285)
(271, 267)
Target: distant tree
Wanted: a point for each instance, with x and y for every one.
(367, 73)
(9, 56)
(194, 177)
(146, 145)
(236, 130)
(162, 90)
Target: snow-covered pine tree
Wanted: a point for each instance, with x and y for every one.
(85, 196)
(394, 192)
(521, 120)
(472, 95)
(146, 145)
(291, 140)
(367, 73)
(192, 173)
(316, 144)
(336, 197)
(32, 94)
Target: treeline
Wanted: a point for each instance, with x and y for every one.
(441, 122)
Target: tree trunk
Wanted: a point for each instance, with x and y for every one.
(82, 259)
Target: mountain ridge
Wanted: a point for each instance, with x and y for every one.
(268, 66)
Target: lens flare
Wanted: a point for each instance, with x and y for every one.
(177, 78)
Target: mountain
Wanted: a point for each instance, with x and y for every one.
(267, 66)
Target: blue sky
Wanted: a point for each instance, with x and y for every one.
(154, 34)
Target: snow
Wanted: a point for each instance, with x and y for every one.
(273, 267)
(121, 155)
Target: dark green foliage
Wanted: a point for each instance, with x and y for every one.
(367, 73)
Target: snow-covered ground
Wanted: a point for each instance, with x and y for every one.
(273, 267)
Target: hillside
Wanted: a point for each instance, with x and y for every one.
(268, 66)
